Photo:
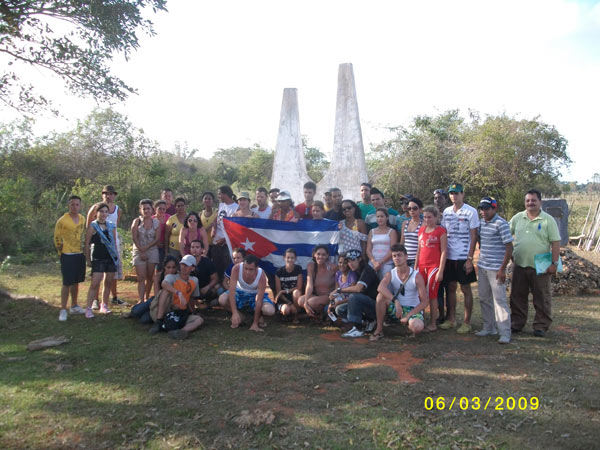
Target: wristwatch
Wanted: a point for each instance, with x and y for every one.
(555, 263)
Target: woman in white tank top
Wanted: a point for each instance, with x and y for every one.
(379, 242)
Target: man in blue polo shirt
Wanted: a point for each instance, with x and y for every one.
(495, 251)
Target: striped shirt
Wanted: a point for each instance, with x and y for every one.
(493, 237)
(411, 239)
(458, 224)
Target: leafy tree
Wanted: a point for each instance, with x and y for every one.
(500, 156)
(504, 157)
(418, 159)
(75, 40)
(316, 161)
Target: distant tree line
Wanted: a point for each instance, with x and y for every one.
(498, 156)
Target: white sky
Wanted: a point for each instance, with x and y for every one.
(214, 74)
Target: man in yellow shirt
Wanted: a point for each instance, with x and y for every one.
(68, 233)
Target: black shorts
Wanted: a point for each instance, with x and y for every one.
(455, 271)
(72, 268)
(103, 265)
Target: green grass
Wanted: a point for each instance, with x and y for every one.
(115, 386)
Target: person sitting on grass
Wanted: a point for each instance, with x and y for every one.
(141, 311)
(172, 310)
(248, 294)
(320, 280)
(361, 303)
(344, 277)
(288, 285)
(238, 256)
(407, 298)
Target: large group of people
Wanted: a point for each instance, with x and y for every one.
(390, 267)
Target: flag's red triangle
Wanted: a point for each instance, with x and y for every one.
(249, 240)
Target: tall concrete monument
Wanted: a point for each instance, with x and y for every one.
(289, 167)
(348, 168)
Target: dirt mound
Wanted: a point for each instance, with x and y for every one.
(579, 276)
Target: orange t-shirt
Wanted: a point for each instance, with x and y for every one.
(188, 288)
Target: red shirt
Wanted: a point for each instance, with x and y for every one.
(430, 251)
(305, 212)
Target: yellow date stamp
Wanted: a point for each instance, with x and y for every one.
(482, 403)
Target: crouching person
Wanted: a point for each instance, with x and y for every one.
(361, 303)
(172, 312)
(247, 293)
(401, 293)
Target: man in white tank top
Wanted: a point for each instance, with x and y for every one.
(402, 292)
(247, 287)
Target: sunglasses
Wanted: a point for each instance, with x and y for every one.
(413, 208)
(348, 208)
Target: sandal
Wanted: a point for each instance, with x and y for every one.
(375, 337)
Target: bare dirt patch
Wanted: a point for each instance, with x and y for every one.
(401, 362)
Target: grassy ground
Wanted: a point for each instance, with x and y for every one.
(302, 386)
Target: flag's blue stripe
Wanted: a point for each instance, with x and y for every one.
(302, 225)
(303, 249)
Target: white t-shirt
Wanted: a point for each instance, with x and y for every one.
(225, 210)
(262, 214)
(459, 225)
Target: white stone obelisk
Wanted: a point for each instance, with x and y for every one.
(289, 167)
(348, 168)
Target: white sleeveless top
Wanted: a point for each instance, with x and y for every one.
(248, 287)
(411, 293)
(114, 216)
(380, 244)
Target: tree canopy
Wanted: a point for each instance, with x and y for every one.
(498, 156)
(74, 39)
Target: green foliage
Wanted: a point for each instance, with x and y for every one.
(73, 40)
(500, 156)
(316, 161)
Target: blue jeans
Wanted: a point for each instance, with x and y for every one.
(142, 311)
(359, 306)
(342, 311)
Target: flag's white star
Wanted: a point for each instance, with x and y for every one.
(248, 245)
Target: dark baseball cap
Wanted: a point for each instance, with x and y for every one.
(488, 202)
(455, 187)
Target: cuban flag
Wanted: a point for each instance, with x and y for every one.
(269, 239)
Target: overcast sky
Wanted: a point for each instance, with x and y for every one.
(214, 74)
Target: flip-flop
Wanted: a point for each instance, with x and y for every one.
(375, 337)
(429, 330)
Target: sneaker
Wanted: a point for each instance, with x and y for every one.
(178, 334)
(465, 328)
(486, 333)
(504, 340)
(156, 327)
(370, 326)
(89, 314)
(76, 310)
(118, 301)
(104, 309)
(539, 333)
(95, 304)
(62, 316)
(447, 325)
(353, 333)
